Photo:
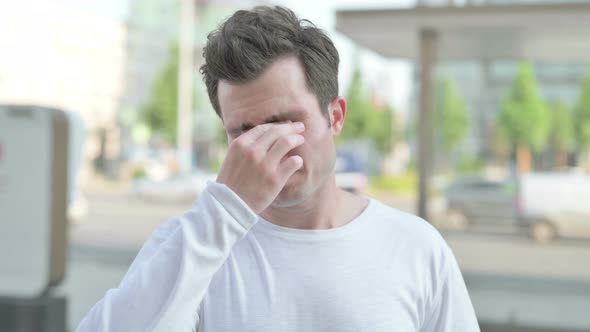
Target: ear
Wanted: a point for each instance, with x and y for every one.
(337, 112)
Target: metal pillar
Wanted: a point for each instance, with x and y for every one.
(428, 41)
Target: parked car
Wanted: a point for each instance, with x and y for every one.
(546, 205)
(572, 224)
(555, 204)
(350, 175)
(477, 200)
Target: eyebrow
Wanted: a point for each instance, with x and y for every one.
(289, 115)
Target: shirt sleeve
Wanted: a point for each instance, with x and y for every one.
(451, 309)
(168, 279)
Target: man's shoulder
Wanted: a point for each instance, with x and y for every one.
(407, 227)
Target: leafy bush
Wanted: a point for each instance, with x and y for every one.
(406, 183)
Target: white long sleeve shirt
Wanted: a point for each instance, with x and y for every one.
(220, 267)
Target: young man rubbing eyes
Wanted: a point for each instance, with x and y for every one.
(274, 244)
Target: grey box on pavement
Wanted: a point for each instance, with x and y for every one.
(33, 199)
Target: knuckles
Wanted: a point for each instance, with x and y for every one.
(285, 140)
(239, 144)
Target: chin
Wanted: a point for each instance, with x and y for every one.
(292, 194)
(283, 201)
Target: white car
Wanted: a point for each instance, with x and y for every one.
(556, 204)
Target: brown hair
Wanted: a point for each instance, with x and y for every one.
(242, 47)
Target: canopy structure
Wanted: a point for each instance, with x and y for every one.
(548, 32)
(558, 32)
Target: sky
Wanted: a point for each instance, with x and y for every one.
(116, 9)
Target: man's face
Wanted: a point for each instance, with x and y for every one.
(281, 94)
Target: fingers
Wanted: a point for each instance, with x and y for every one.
(270, 137)
(290, 165)
(257, 165)
(266, 134)
(282, 145)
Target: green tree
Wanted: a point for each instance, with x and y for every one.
(383, 128)
(356, 125)
(450, 116)
(365, 119)
(581, 116)
(160, 112)
(561, 135)
(523, 118)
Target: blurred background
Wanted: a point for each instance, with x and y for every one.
(474, 114)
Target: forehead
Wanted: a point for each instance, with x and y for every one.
(280, 89)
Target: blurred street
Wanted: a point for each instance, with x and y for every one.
(511, 278)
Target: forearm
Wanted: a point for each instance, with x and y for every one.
(169, 278)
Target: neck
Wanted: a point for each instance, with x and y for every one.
(328, 207)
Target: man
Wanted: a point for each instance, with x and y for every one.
(273, 244)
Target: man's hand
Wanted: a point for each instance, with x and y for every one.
(255, 167)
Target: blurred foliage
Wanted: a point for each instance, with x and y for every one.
(523, 117)
(160, 112)
(450, 116)
(523, 121)
(470, 165)
(406, 183)
(220, 134)
(581, 116)
(561, 134)
(215, 165)
(365, 119)
(138, 173)
(384, 128)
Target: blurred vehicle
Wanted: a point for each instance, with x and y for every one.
(477, 200)
(565, 224)
(184, 188)
(547, 205)
(154, 163)
(350, 175)
(556, 204)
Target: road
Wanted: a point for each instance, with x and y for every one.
(510, 277)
